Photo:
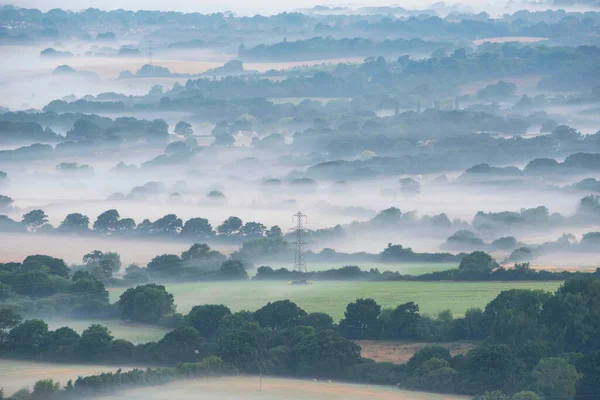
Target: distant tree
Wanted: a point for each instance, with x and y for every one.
(274, 232)
(388, 216)
(206, 318)
(526, 395)
(425, 354)
(201, 251)
(107, 222)
(169, 224)
(279, 314)
(478, 262)
(33, 220)
(30, 337)
(317, 320)
(125, 225)
(8, 320)
(94, 341)
(253, 229)
(147, 303)
(5, 202)
(165, 264)
(75, 222)
(197, 227)
(361, 320)
(184, 128)
(230, 226)
(401, 322)
(233, 269)
(180, 345)
(56, 266)
(555, 378)
(45, 389)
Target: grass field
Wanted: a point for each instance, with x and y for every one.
(134, 332)
(241, 387)
(332, 297)
(15, 375)
(408, 268)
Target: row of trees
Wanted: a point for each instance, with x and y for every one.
(110, 222)
(533, 341)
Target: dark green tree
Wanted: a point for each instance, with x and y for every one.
(361, 320)
(279, 314)
(107, 222)
(206, 318)
(148, 303)
(34, 219)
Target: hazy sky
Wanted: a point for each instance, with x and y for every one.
(253, 7)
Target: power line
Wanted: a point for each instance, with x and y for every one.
(299, 261)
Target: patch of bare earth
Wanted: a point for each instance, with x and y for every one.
(399, 352)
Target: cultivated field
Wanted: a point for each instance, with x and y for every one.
(332, 297)
(15, 375)
(399, 352)
(281, 389)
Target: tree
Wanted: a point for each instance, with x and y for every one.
(107, 222)
(206, 318)
(230, 226)
(233, 269)
(64, 343)
(491, 367)
(75, 223)
(8, 320)
(401, 322)
(279, 314)
(555, 378)
(197, 227)
(30, 337)
(94, 341)
(183, 128)
(5, 202)
(125, 225)
(388, 216)
(166, 264)
(325, 354)
(361, 320)
(33, 220)
(56, 266)
(317, 320)
(253, 229)
(45, 389)
(425, 354)
(102, 265)
(201, 251)
(477, 262)
(147, 303)
(167, 225)
(180, 345)
(274, 232)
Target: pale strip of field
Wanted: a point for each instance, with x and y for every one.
(15, 375)
(508, 39)
(400, 352)
(239, 387)
(333, 297)
(111, 67)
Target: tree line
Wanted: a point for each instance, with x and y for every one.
(530, 341)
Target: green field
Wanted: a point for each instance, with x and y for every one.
(409, 268)
(332, 297)
(134, 332)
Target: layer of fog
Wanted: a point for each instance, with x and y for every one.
(240, 387)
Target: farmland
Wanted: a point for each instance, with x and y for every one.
(332, 297)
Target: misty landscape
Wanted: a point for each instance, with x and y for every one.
(300, 200)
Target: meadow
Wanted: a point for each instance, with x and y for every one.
(240, 387)
(333, 297)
